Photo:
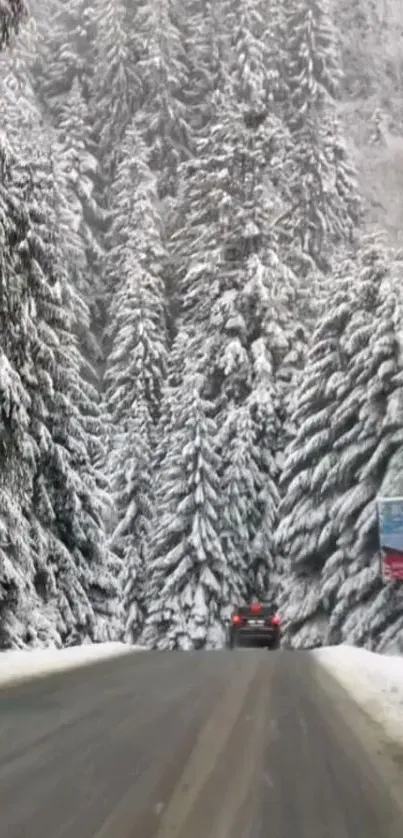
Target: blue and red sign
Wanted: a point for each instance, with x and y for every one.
(390, 517)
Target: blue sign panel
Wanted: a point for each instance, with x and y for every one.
(390, 516)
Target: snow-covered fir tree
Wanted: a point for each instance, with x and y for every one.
(202, 59)
(22, 620)
(348, 429)
(237, 302)
(60, 67)
(77, 172)
(11, 15)
(70, 569)
(136, 360)
(190, 585)
(68, 505)
(19, 107)
(228, 206)
(366, 612)
(255, 67)
(162, 115)
(249, 476)
(322, 193)
(65, 53)
(305, 536)
(116, 88)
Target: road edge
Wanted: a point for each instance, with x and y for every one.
(385, 755)
(34, 677)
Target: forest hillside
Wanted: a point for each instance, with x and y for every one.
(200, 303)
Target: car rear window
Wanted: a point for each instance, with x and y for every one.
(247, 611)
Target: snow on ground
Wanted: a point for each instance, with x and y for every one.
(374, 681)
(21, 665)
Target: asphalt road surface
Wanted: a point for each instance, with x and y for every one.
(243, 744)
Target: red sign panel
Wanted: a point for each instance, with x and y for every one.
(392, 565)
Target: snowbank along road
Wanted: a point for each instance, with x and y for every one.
(193, 745)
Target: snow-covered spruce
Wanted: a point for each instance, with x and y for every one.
(366, 612)
(116, 86)
(64, 55)
(69, 507)
(237, 326)
(254, 65)
(249, 477)
(51, 89)
(11, 15)
(229, 268)
(322, 193)
(163, 77)
(305, 535)
(68, 570)
(77, 168)
(190, 586)
(348, 429)
(135, 364)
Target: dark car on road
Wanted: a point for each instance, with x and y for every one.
(254, 625)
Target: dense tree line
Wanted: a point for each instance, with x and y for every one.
(201, 373)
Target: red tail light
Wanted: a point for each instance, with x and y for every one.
(256, 608)
(236, 619)
(275, 621)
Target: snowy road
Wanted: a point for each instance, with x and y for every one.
(206, 745)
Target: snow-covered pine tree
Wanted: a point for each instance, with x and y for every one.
(136, 359)
(335, 465)
(249, 476)
(77, 170)
(19, 108)
(12, 14)
(162, 116)
(236, 299)
(240, 484)
(190, 585)
(22, 618)
(116, 87)
(58, 64)
(320, 214)
(201, 61)
(227, 209)
(254, 31)
(312, 61)
(365, 611)
(306, 534)
(65, 53)
(130, 463)
(345, 211)
(25, 620)
(67, 510)
(54, 558)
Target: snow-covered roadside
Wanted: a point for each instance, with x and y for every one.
(374, 681)
(18, 666)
